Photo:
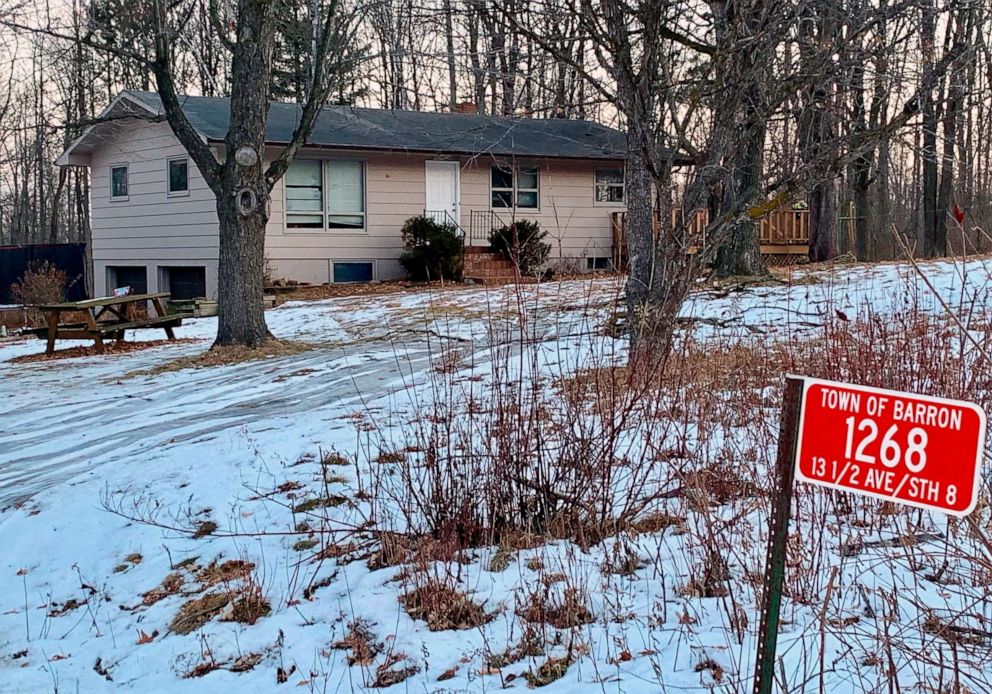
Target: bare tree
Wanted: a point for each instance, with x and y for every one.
(238, 175)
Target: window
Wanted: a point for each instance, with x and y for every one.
(502, 187)
(609, 185)
(343, 205)
(520, 185)
(178, 176)
(360, 271)
(600, 263)
(186, 282)
(134, 277)
(118, 182)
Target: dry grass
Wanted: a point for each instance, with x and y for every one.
(224, 572)
(305, 544)
(310, 505)
(239, 598)
(562, 612)
(205, 528)
(387, 674)
(110, 348)
(171, 585)
(443, 607)
(361, 641)
(549, 671)
(226, 356)
(196, 612)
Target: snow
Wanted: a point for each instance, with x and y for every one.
(81, 436)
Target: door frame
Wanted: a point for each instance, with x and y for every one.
(456, 166)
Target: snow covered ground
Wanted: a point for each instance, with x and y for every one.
(242, 446)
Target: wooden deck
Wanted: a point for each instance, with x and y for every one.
(781, 233)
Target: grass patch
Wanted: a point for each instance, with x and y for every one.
(111, 348)
(319, 502)
(203, 529)
(361, 642)
(225, 356)
(550, 670)
(501, 559)
(250, 607)
(171, 585)
(196, 612)
(305, 544)
(230, 570)
(390, 457)
(386, 675)
(333, 458)
(443, 607)
(565, 613)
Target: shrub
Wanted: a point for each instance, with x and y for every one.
(433, 250)
(42, 283)
(522, 243)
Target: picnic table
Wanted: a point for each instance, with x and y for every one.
(105, 318)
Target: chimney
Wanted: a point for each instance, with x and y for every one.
(465, 107)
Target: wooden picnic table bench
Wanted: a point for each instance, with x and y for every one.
(106, 317)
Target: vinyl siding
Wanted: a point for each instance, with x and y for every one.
(150, 228)
(155, 230)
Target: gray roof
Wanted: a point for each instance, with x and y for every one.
(414, 131)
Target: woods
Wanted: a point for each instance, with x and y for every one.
(873, 115)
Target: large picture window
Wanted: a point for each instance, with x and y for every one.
(609, 185)
(515, 187)
(325, 194)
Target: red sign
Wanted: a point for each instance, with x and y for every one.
(911, 449)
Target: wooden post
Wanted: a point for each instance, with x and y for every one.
(778, 537)
(53, 329)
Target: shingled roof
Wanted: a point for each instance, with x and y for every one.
(405, 131)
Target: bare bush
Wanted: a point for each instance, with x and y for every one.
(42, 283)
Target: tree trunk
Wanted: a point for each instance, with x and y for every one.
(656, 283)
(243, 195)
(449, 36)
(822, 213)
(931, 245)
(741, 254)
(240, 275)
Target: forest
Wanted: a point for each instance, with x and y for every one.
(552, 59)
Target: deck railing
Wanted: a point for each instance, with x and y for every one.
(781, 228)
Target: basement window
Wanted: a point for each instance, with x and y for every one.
(186, 283)
(354, 271)
(135, 277)
(601, 263)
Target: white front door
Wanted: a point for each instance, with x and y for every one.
(442, 192)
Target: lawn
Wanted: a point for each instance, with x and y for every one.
(468, 490)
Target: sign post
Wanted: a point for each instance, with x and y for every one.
(778, 536)
(905, 448)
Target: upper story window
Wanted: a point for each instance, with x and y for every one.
(177, 173)
(118, 182)
(609, 185)
(325, 194)
(514, 187)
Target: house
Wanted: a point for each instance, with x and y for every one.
(337, 213)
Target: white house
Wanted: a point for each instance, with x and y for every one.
(336, 215)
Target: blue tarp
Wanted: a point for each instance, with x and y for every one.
(68, 257)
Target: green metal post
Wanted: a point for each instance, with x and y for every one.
(778, 537)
